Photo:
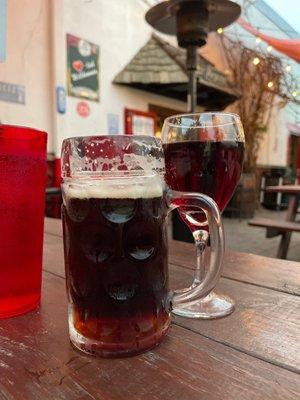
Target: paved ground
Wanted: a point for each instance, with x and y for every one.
(241, 237)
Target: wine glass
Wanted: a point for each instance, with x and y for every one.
(204, 153)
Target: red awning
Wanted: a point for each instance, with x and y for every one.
(289, 47)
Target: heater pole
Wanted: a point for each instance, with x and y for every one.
(191, 62)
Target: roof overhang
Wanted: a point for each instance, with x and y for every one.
(159, 68)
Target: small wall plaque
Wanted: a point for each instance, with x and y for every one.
(12, 93)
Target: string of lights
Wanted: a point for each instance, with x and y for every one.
(263, 50)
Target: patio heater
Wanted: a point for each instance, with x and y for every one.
(190, 21)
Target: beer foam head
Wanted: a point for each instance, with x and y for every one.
(111, 153)
(115, 188)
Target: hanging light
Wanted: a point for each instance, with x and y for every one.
(270, 84)
(288, 68)
(295, 93)
(258, 39)
(220, 31)
(269, 48)
(256, 61)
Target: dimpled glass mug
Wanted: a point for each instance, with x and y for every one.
(115, 207)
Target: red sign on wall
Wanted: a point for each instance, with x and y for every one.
(83, 109)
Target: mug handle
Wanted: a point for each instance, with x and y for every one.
(200, 289)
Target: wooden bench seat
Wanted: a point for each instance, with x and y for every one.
(285, 226)
(282, 228)
(275, 228)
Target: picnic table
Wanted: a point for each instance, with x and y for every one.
(286, 227)
(252, 354)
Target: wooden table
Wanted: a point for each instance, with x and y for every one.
(294, 192)
(252, 354)
(289, 189)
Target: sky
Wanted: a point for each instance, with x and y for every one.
(289, 10)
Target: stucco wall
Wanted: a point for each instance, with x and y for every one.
(28, 63)
(120, 30)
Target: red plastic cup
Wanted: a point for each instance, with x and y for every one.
(22, 203)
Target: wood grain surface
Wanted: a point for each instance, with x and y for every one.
(252, 354)
(262, 271)
(249, 268)
(265, 324)
(53, 226)
(38, 362)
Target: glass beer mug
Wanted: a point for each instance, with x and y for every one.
(115, 207)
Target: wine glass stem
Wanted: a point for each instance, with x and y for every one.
(200, 243)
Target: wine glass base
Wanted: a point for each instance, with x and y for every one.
(214, 305)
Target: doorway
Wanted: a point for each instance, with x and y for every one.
(294, 156)
(161, 114)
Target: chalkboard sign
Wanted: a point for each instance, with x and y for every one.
(83, 68)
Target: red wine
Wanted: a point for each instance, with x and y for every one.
(211, 168)
(117, 271)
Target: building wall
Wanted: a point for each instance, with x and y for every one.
(120, 30)
(273, 147)
(28, 63)
(36, 58)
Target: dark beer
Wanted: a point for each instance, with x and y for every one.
(116, 265)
